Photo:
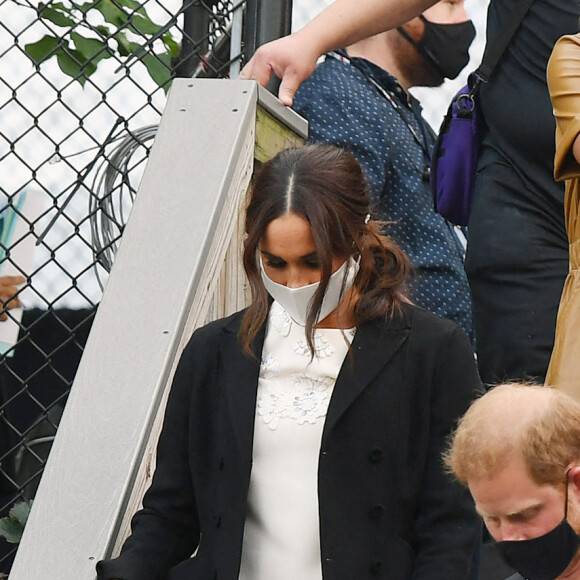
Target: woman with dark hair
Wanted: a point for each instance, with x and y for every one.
(303, 437)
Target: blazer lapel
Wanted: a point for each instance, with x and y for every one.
(241, 373)
(373, 346)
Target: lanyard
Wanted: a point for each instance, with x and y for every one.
(420, 139)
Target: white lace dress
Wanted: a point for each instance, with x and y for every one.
(281, 536)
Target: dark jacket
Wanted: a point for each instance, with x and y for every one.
(386, 507)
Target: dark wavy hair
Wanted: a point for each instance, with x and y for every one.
(324, 185)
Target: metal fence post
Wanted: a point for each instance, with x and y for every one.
(265, 21)
(195, 42)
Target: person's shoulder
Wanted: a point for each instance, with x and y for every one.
(427, 329)
(332, 67)
(426, 337)
(566, 48)
(568, 40)
(418, 322)
(328, 77)
(208, 333)
(229, 323)
(424, 320)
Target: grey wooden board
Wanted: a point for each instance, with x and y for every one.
(158, 276)
(285, 116)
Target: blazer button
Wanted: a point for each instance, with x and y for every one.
(218, 522)
(221, 464)
(375, 455)
(377, 511)
(376, 567)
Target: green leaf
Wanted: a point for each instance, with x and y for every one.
(159, 68)
(11, 527)
(42, 49)
(171, 44)
(73, 64)
(92, 49)
(103, 31)
(111, 12)
(132, 4)
(86, 7)
(57, 17)
(140, 9)
(11, 530)
(57, 6)
(20, 511)
(144, 25)
(125, 47)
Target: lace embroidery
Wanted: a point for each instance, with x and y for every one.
(269, 367)
(280, 319)
(322, 348)
(305, 402)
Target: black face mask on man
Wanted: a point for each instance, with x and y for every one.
(444, 46)
(545, 557)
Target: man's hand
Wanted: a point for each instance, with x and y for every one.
(291, 58)
(8, 293)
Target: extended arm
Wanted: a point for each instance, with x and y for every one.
(293, 58)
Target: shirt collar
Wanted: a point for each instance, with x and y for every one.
(382, 77)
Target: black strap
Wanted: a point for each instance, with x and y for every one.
(494, 50)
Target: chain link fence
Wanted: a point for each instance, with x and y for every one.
(82, 89)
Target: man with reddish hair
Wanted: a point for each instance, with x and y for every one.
(517, 449)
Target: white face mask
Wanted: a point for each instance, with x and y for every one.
(296, 301)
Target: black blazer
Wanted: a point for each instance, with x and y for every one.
(386, 507)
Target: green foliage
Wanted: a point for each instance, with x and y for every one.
(128, 33)
(12, 526)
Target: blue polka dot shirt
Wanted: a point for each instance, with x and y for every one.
(345, 108)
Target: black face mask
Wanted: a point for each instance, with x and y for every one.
(444, 46)
(545, 557)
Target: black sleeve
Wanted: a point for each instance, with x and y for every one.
(447, 527)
